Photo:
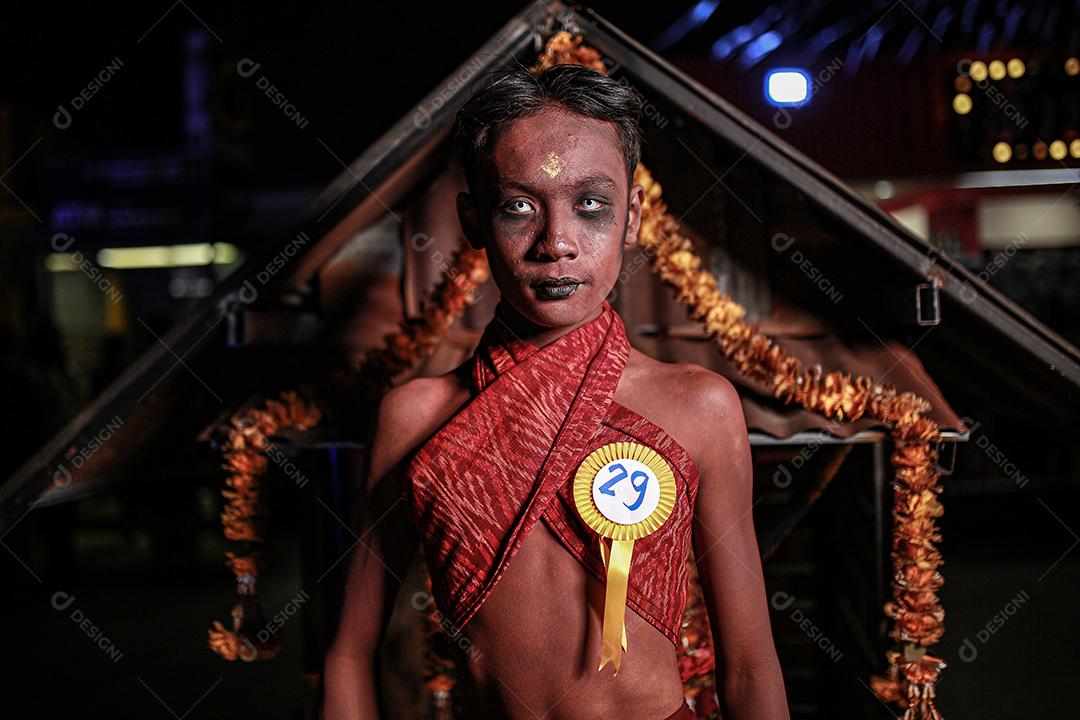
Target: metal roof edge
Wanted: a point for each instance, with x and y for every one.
(831, 194)
(356, 183)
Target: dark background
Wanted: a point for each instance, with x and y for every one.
(143, 562)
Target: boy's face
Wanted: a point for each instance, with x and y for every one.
(552, 201)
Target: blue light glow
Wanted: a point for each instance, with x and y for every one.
(787, 87)
(702, 10)
(761, 47)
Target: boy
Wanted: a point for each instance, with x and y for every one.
(482, 465)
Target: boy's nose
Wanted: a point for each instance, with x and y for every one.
(556, 241)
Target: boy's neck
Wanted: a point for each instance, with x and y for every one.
(524, 329)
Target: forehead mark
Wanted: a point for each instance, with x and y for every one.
(553, 166)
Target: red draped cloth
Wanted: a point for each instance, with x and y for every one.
(507, 460)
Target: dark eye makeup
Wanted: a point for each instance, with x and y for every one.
(588, 207)
(596, 209)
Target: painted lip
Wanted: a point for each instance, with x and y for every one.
(556, 288)
(551, 280)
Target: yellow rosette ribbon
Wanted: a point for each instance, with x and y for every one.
(624, 491)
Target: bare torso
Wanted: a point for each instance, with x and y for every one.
(533, 646)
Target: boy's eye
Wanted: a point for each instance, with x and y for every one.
(519, 207)
(591, 204)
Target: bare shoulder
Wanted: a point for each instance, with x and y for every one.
(700, 408)
(410, 413)
(711, 395)
(416, 401)
(688, 388)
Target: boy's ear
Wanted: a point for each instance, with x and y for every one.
(467, 216)
(633, 215)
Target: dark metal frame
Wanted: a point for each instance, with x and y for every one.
(411, 138)
(653, 72)
(358, 184)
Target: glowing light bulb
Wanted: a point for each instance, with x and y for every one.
(787, 86)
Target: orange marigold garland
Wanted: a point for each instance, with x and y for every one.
(440, 672)
(244, 455)
(564, 48)
(695, 651)
(915, 608)
(418, 337)
(249, 433)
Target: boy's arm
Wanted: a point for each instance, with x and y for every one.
(382, 552)
(750, 686)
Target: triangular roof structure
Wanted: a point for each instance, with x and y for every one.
(982, 338)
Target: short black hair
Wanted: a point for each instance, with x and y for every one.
(518, 93)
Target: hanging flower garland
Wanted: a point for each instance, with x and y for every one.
(244, 453)
(915, 608)
(249, 432)
(695, 651)
(440, 671)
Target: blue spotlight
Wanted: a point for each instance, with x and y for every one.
(787, 86)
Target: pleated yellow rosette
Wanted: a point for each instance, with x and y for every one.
(624, 491)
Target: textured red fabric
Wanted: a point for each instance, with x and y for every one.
(507, 460)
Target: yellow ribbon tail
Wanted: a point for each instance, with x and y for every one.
(604, 552)
(614, 628)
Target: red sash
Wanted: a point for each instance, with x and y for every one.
(508, 458)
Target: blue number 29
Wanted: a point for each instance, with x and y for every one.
(605, 489)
